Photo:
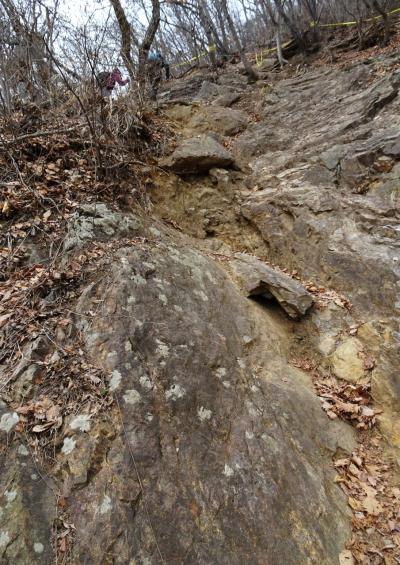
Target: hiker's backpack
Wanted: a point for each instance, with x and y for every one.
(154, 56)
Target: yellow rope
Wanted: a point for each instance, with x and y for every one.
(260, 54)
(373, 19)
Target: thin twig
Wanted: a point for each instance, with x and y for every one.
(42, 133)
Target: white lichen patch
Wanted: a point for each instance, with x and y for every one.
(146, 382)
(226, 384)
(8, 421)
(68, 445)
(201, 294)
(10, 495)
(81, 422)
(4, 539)
(228, 471)
(249, 435)
(163, 299)
(209, 276)
(34, 477)
(149, 417)
(174, 392)
(38, 547)
(178, 308)
(139, 280)
(155, 232)
(112, 359)
(162, 348)
(220, 372)
(132, 396)
(128, 346)
(204, 414)
(115, 380)
(241, 363)
(106, 505)
(131, 299)
(124, 261)
(22, 450)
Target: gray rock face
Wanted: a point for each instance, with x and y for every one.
(259, 279)
(328, 195)
(208, 90)
(198, 155)
(97, 221)
(222, 445)
(225, 121)
(28, 510)
(227, 99)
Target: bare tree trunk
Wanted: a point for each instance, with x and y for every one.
(251, 73)
(296, 33)
(147, 42)
(126, 37)
(281, 59)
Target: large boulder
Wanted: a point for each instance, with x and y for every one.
(213, 456)
(198, 155)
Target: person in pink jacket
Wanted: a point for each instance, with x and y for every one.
(107, 81)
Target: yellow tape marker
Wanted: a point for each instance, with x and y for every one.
(314, 24)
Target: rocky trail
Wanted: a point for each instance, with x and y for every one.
(215, 379)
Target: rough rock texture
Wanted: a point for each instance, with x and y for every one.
(216, 449)
(204, 119)
(326, 171)
(225, 121)
(198, 155)
(259, 279)
(97, 221)
(234, 461)
(27, 510)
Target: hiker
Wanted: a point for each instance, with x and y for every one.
(107, 81)
(155, 64)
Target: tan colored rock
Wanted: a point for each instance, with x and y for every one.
(218, 119)
(346, 362)
(259, 279)
(197, 155)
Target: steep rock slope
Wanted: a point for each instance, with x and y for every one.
(319, 188)
(191, 436)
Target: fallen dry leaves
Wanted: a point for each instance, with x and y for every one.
(367, 476)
